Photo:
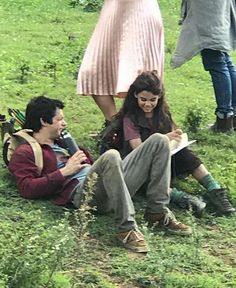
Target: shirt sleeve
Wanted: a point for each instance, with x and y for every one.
(29, 183)
(130, 130)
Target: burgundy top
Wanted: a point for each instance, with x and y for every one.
(130, 130)
(51, 184)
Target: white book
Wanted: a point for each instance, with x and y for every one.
(176, 146)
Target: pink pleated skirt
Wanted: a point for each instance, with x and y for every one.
(128, 39)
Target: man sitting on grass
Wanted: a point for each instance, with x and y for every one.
(117, 180)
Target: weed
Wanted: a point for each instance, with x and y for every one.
(87, 5)
(29, 238)
(83, 217)
(19, 242)
(194, 119)
(74, 3)
(51, 68)
(24, 73)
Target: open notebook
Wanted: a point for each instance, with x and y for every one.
(176, 146)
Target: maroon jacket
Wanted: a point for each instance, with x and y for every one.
(50, 185)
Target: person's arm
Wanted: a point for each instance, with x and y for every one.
(173, 135)
(29, 183)
(74, 164)
(184, 10)
(131, 133)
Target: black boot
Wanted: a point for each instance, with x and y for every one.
(234, 123)
(224, 125)
(219, 199)
(190, 202)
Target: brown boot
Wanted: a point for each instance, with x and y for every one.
(167, 221)
(223, 125)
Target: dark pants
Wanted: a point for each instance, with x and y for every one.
(184, 163)
(223, 75)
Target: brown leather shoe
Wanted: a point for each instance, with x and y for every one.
(167, 221)
(133, 240)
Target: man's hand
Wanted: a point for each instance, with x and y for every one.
(74, 164)
(175, 135)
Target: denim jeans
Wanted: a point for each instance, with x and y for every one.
(223, 75)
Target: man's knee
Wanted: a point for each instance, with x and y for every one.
(112, 156)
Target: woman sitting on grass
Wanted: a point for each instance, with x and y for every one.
(145, 112)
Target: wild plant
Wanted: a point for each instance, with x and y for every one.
(24, 73)
(87, 5)
(82, 217)
(194, 119)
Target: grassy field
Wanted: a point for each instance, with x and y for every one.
(41, 47)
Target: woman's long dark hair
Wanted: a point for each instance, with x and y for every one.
(148, 81)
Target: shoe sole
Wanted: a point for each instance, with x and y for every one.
(221, 214)
(173, 232)
(179, 233)
(132, 248)
(136, 249)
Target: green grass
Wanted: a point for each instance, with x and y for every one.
(41, 47)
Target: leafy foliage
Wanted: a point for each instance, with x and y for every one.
(30, 248)
(194, 119)
(87, 5)
(38, 242)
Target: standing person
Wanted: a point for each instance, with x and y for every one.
(146, 112)
(117, 180)
(127, 40)
(209, 28)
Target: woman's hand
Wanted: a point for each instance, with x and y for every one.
(175, 135)
(74, 164)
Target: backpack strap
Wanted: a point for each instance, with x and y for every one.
(37, 150)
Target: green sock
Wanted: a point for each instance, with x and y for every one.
(209, 183)
(176, 195)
